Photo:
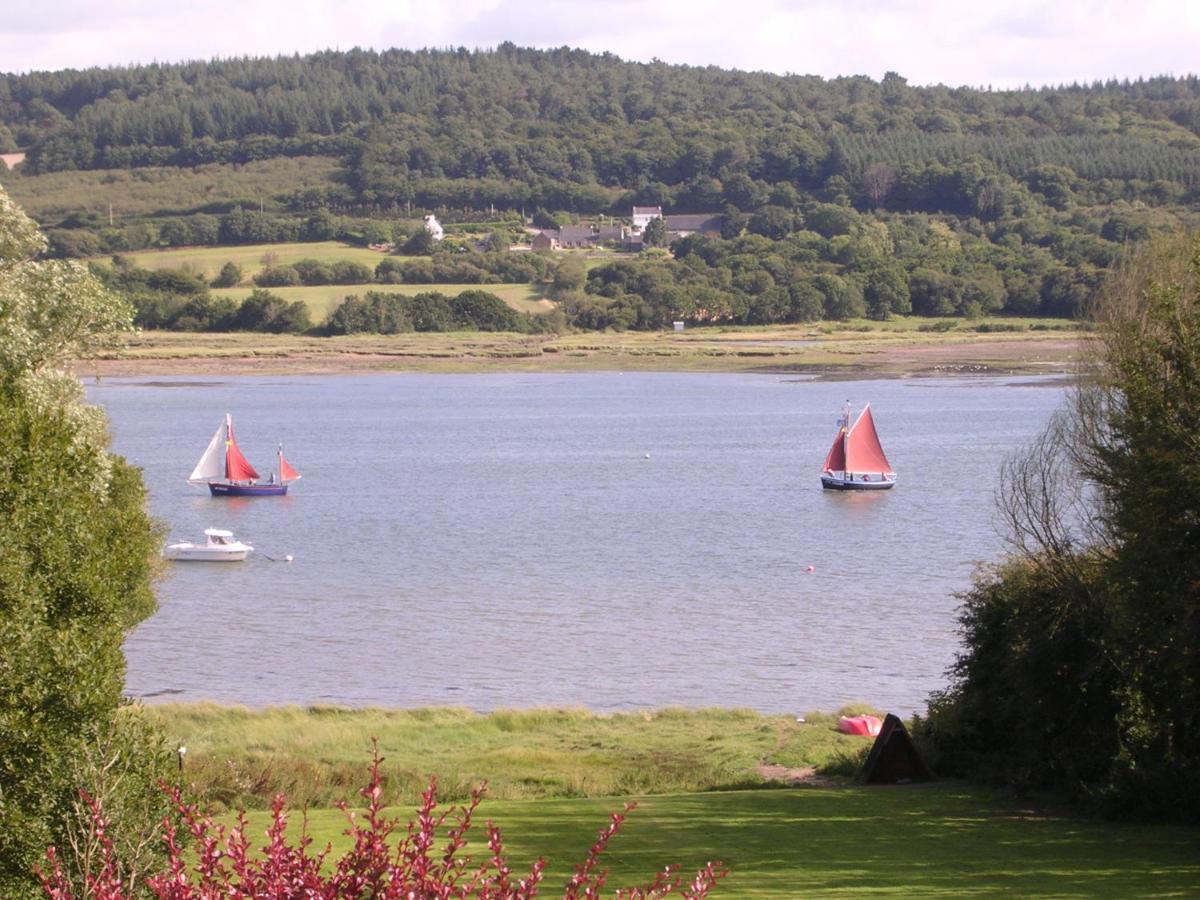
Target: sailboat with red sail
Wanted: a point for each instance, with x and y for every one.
(229, 474)
(856, 461)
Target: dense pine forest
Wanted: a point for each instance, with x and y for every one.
(838, 198)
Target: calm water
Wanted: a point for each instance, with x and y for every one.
(504, 540)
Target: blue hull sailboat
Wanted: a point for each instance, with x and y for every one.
(856, 461)
(228, 473)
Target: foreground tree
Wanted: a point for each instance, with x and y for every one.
(1082, 663)
(75, 563)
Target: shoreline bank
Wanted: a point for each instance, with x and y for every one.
(835, 356)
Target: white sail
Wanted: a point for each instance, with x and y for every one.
(211, 466)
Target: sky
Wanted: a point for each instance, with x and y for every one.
(980, 44)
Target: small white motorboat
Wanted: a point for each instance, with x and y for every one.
(219, 546)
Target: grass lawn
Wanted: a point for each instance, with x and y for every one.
(323, 299)
(921, 840)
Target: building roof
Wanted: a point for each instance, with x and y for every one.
(576, 233)
(694, 222)
(647, 210)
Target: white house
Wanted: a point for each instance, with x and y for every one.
(642, 216)
(434, 227)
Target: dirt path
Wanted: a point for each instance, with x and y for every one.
(806, 775)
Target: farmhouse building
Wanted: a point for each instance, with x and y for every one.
(577, 237)
(642, 216)
(434, 227)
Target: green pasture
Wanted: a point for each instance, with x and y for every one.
(316, 756)
(936, 840)
(323, 299)
(253, 258)
(164, 190)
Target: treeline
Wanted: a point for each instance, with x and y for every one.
(83, 235)
(442, 267)
(853, 266)
(182, 301)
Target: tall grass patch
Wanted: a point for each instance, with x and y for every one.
(240, 757)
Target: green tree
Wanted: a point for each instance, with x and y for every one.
(229, 276)
(1082, 648)
(499, 241)
(885, 290)
(264, 311)
(569, 276)
(420, 244)
(76, 565)
(655, 233)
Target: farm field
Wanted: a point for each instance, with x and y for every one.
(160, 190)
(252, 258)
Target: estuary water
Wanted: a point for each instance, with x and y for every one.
(607, 540)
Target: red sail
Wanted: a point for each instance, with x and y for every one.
(836, 460)
(286, 472)
(236, 466)
(863, 452)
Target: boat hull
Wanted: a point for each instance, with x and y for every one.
(201, 553)
(224, 489)
(831, 483)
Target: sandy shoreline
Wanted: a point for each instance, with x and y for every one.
(879, 355)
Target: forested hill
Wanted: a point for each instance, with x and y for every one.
(577, 131)
(836, 198)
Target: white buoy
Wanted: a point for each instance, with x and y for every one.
(647, 456)
(811, 569)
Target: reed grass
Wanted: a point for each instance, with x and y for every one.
(237, 757)
(779, 349)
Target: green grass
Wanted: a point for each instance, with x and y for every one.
(323, 299)
(241, 757)
(150, 191)
(253, 258)
(927, 840)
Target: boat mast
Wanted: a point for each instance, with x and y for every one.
(844, 430)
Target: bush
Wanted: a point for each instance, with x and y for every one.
(427, 861)
(278, 276)
(229, 276)
(264, 311)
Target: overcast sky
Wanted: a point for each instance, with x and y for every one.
(1002, 44)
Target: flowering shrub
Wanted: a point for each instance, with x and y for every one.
(417, 868)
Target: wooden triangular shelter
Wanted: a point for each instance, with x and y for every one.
(894, 758)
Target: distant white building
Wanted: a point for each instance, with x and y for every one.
(642, 215)
(434, 227)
